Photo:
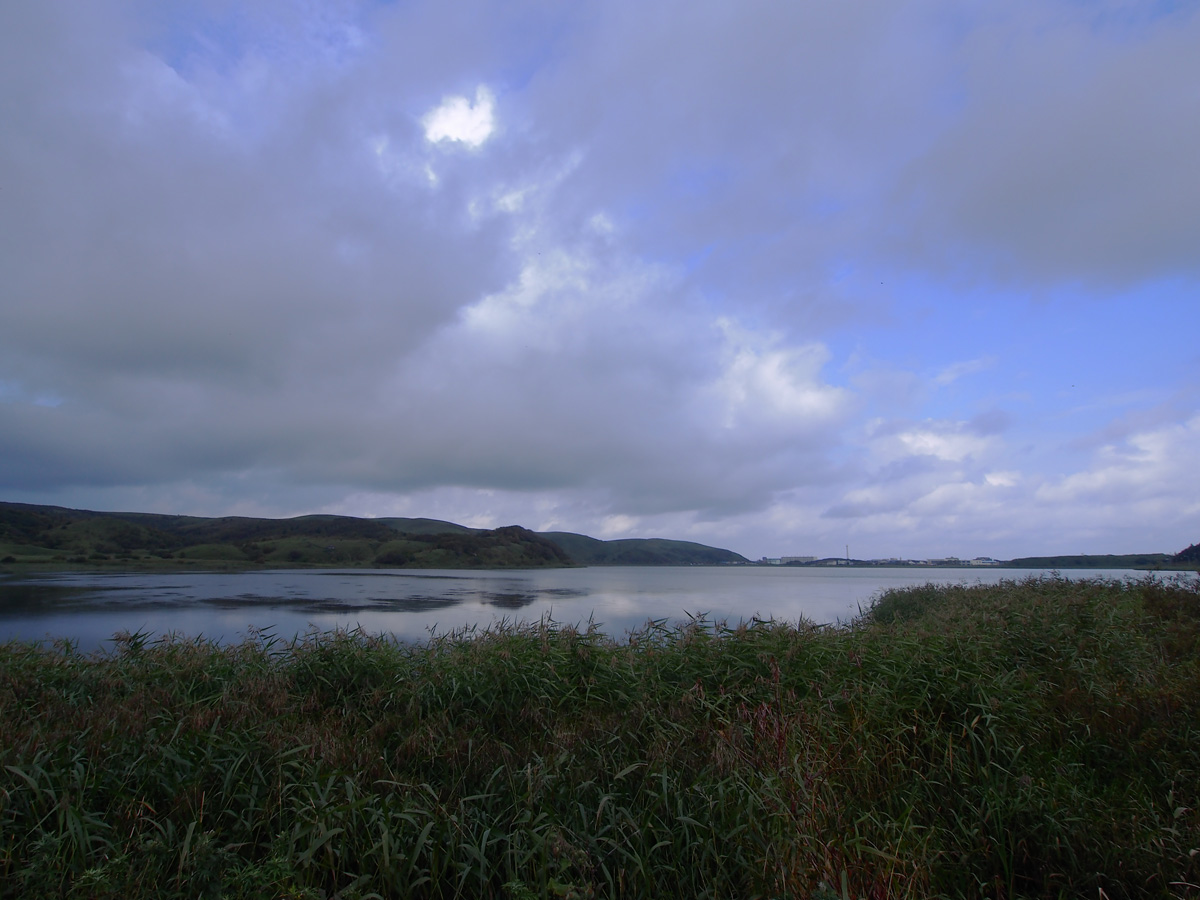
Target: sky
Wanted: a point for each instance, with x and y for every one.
(789, 277)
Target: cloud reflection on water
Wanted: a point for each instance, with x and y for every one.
(90, 607)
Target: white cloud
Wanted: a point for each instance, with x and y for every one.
(1002, 479)
(457, 119)
(561, 298)
(952, 373)
(952, 446)
(764, 380)
(937, 439)
(1158, 464)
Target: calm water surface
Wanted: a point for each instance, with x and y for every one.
(90, 607)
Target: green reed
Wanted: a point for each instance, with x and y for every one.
(1038, 738)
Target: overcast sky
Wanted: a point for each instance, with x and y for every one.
(776, 275)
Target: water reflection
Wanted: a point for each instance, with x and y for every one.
(90, 607)
(55, 595)
(33, 599)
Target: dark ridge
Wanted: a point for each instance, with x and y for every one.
(46, 534)
(590, 551)
(1085, 561)
(1190, 556)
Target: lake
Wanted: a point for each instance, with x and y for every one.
(90, 607)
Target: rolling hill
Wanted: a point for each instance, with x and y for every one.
(57, 536)
(589, 551)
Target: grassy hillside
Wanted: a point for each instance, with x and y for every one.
(53, 535)
(500, 548)
(589, 551)
(427, 526)
(1031, 739)
(1189, 557)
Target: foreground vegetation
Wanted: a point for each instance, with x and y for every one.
(1037, 738)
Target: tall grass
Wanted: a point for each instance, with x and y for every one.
(1037, 738)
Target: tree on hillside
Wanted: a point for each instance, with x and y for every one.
(1191, 555)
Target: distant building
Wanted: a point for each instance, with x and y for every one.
(784, 560)
(984, 561)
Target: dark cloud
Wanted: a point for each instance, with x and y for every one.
(1069, 158)
(989, 422)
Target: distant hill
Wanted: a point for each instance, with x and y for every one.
(1188, 557)
(590, 551)
(55, 535)
(497, 548)
(1083, 561)
(427, 526)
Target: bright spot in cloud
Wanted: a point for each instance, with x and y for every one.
(602, 224)
(457, 119)
(949, 446)
(511, 311)
(1002, 479)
